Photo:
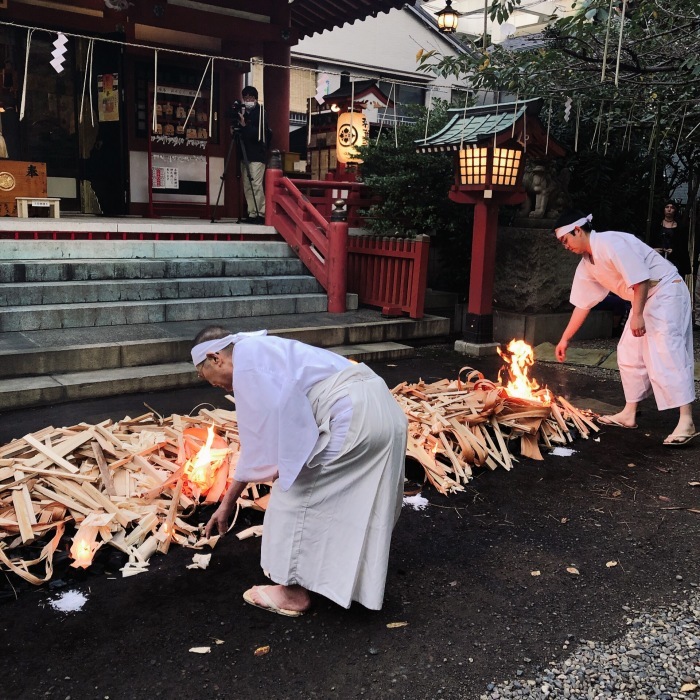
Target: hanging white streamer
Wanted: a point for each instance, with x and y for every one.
(515, 112)
(24, 82)
(91, 50)
(396, 127)
(549, 123)
(680, 131)
(597, 124)
(196, 96)
(308, 124)
(85, 79)
(578, 121)
(386, 109)
(211, 98)
(427, 116)
(464, 121)
(607, 39)
(619, 43)
(495, 125)
(154, 123)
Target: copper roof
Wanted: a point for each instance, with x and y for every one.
(502, 122)
(313, 16)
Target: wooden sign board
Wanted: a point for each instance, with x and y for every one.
(20, 179)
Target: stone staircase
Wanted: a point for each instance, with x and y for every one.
(91, 318)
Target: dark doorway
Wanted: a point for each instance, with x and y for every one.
(103, 157)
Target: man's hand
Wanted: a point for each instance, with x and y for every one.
(560, 351)
(637, 325)
(218, 523)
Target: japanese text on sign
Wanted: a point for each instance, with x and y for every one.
(165, 178)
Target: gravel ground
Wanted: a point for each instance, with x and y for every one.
(659, 657)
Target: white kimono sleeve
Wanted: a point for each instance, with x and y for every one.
(586, 291)
(276, 425)
(629, 264)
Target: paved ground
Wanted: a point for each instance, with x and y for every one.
(459, 575)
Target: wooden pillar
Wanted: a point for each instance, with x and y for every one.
(479, 318)
(277, 53)
(337, 259)
(483, 257)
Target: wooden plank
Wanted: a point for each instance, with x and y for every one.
(61, 498)
(169, 524)
(24, 511)
(105, 472)
(55, 458)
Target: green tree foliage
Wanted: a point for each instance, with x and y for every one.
(629, 71)
(414, 188)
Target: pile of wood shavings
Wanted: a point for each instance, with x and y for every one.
(454, 426)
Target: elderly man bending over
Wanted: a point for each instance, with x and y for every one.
(334, 439)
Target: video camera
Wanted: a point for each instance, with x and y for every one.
(235, 110)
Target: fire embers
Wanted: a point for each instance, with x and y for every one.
(206, 458)
(519, 357)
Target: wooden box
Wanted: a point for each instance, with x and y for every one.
(20, 179)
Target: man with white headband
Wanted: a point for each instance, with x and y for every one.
(655, 351)
(333, 439)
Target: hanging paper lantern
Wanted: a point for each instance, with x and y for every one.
(352, 131)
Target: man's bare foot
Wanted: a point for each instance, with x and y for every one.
(620, 420)
(293, 598)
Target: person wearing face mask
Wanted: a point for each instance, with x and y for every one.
(655, 352)
(255, 139)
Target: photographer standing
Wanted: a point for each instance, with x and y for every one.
(254, 140)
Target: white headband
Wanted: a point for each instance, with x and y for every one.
(199, 352)
(563, 230)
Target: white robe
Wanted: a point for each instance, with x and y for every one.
(271, 379)
(660, 361)
(337, 437)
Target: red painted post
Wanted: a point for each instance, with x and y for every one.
(420, 277)
(273, 174)
(337, 260)
(483, 258)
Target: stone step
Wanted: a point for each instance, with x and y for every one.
(118, 290)
(60, 388)
(12, 250)
(84, 350)
(27, 318)
(21, 271)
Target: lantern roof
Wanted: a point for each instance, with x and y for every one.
(495, 124)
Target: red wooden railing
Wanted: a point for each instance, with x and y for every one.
(320, 244)
(387, 272)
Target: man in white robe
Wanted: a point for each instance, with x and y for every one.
(655, 351)
(333, 438)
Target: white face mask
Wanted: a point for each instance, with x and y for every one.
(249, 105)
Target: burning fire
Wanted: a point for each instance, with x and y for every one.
(200, 470)
(84, 546)
(519, 358)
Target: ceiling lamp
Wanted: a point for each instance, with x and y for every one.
(447, 19)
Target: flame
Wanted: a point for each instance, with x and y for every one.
(201, 469)
(520, 358)
(84, 547)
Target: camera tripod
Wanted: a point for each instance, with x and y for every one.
(236, 140)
